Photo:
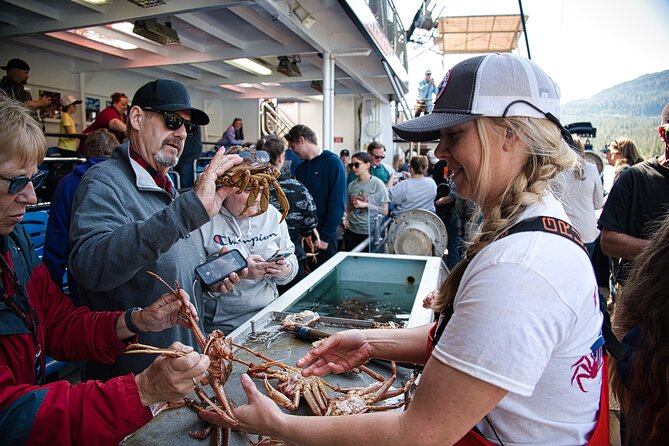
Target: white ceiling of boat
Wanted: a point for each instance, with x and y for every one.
(210, 33)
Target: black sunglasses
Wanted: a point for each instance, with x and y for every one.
(17, 184)
(173, 121)
(356, 165)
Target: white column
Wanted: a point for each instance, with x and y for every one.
(82, 106)
(328, 100)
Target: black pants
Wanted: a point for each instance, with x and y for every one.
(353, 239)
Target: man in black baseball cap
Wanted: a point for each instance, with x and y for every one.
(128, 218)
(12, 85)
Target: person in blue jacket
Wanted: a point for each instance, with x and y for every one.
(97, 147)
(323, 174)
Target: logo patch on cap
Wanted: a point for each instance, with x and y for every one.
(442, 85)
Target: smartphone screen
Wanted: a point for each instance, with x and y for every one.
(217, 269)
(278, 255)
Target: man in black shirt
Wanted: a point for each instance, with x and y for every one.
(12, 85)
(638, 200)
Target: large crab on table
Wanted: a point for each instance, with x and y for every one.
(292, 385)
(363, 399)
(255, 173)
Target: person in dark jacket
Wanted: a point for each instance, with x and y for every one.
(323, 174)
(36, 320)
(97, 148)
(301, 218)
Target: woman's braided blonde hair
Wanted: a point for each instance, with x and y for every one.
(547, 155)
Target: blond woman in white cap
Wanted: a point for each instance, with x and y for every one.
(516, 356)
(68, 146)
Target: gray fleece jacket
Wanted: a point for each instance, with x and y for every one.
(124, 225)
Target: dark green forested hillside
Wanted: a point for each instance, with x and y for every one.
(629, 109)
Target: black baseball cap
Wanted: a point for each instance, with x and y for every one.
(497, 85)
(344, 152)
(168, 95)
(16, 63)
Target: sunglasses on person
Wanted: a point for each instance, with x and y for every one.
(17, 184)
(377, 157)
(174, 121)
(356, 165)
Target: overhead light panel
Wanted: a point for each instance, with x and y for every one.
(98, 2)
(302, 14)
(156, 32)
(97, 37)
(147, 3)
(288, 66)
(249, 65)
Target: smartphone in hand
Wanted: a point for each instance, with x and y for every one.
(279, 255)
(220, 267)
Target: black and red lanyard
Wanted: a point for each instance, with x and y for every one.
(19, 303)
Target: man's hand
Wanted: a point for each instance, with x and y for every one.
(169, 378)
(205, 186)
(163, 313)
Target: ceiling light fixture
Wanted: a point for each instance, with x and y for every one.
(156, 32)
(288, 66)
(147, 3)
(249, 65)
(97, 37)
(302, 14)
(98, 2)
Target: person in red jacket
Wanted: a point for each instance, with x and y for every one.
(37, 319)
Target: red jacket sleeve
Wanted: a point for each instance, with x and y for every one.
(61, 413)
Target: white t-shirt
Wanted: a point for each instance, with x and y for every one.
(414, 193)
(526, 319)
(581, 198)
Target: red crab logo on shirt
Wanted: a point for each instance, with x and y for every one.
(587, 367)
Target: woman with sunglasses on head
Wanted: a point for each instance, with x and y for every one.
(516, 353)
(622, 154)
(363, 193)
(258, 238)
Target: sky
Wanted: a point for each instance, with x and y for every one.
(586, 46)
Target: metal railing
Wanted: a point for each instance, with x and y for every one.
(391, 24)
(274, 121)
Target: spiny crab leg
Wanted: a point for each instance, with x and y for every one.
(185, 311)
(149, 349)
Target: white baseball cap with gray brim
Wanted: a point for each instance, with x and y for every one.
(495, 85)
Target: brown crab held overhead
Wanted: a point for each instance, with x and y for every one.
(254, 173)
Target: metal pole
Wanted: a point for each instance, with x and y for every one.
(328, 100)
(522, 17)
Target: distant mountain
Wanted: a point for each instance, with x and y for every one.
(630, 109)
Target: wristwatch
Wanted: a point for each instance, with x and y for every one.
(128, 320)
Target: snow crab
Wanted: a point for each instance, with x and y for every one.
(292, 385)
(363, 399)
(219, 350)
(255, 173)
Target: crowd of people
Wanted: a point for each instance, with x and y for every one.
(517, 355)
